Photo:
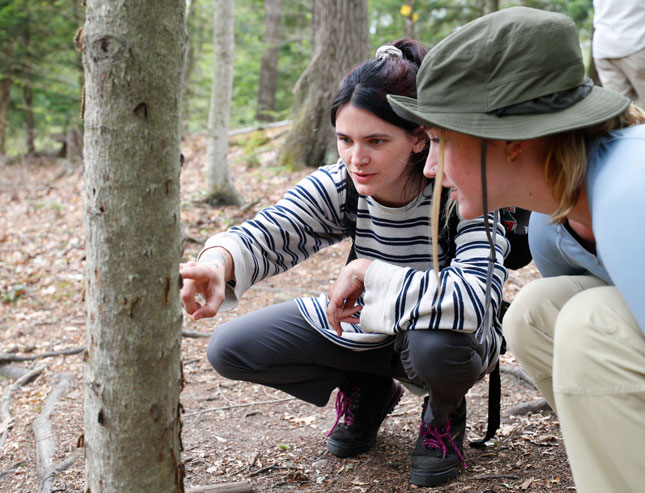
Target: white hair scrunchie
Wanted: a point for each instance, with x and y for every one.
(388, 51)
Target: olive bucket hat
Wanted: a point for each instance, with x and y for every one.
(514, 74)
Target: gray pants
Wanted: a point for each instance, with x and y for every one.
(275, 346)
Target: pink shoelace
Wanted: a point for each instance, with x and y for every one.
(434, 438)
(343, 408)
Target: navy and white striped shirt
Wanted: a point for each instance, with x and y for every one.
(400, 285)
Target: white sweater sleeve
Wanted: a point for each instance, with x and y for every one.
(399, 298)
(306, 219)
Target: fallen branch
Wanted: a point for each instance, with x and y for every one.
(272, 466)
(535, 406)
(43, 434)
(241, 487)
(234, 406)
(195, 334)
(5, 357)
(517, 372)
(495, 476)
(5, 405)
(13, 468)
(61, 466)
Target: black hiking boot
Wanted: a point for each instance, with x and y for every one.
(437, 456)
(364, 403)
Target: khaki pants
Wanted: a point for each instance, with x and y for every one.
(625, 75)
(582, 347)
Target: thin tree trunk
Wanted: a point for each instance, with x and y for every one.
(189, 63)
(28, 95)
(269, 64)
(340, 40)
(133, 57)
(409, 22)
(220, 190)
(5, 97)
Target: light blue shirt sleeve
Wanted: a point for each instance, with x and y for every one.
(616, 191)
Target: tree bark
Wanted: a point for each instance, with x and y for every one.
(220, 190)
(27, 92)
(133, 58)
(269, 65)
(5, 98)
(409, 22)
(340, 40)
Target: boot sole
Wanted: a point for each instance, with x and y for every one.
(343, 449)
(434, 478)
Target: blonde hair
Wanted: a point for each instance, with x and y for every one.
(566, 163)
(436, 216)
(436, 209)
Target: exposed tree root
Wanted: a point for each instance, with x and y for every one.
(5, 405)
(44, 436)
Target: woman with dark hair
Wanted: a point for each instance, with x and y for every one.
(519, 125)
(376, 194)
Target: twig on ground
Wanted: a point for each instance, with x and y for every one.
(45, 443)
(517, 372)
(5, 405)
(495, 476)
(14, 467)
(512, 278)
(222, 408)
(535, 406)
(194, 333)
(221, 393)
(272, 466)
(6, 357)
(241, 487)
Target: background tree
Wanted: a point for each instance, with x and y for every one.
(133, 57)
(269, 64)
(220, 189)
(339, 41)
(50, 66)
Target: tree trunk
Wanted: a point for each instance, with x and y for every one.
(5, 97)
(490, 6)
(409, 21)
(220, 190)
(340, 40)
(28, 94)
(269, 64)
(189, 63)
(133, 59)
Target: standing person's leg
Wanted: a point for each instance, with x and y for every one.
(529, 324)
(633, 66)
(612, 77)
(599, 389)
(447, 364)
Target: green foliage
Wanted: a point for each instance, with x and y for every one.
(37, 51)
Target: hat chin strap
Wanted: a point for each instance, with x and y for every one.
(488, 318)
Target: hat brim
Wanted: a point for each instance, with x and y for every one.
(600, 105)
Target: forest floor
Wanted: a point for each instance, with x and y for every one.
(232, 431)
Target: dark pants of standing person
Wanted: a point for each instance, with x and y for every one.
(276, 346)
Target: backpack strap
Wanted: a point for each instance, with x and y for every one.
(494, 394)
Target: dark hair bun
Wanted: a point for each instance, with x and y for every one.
(412, 50)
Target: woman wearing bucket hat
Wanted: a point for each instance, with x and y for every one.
(506, 97)
(294, 347)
